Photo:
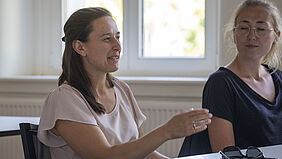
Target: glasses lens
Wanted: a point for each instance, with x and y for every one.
(242, 29)
(253, 152)
(233, 152)
(261, 32)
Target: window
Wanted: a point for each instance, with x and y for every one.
(134, 64)
(178, 31)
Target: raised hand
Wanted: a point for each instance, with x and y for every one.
(187, 123)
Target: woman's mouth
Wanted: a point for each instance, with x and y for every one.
(251, 46)
(114, 58)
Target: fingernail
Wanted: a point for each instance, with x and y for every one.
(210, 115)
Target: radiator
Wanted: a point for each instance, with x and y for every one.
(157, 117)
(156, 113)
(11, 147)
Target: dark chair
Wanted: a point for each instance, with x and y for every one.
(196, 144)
(33, 148)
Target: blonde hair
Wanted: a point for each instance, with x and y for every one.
(273, 58)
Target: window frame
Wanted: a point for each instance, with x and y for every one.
(131, 64)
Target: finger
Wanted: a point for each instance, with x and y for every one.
(185, 111)
(199, 123)
(197, 112)
(200, 117)
(205, 122)
(200, 128)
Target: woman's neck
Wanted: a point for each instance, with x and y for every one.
(99, 82)
(247, 68)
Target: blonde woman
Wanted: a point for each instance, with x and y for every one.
(245, 96)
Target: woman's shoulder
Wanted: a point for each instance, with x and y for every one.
(221, 74)
(279, 73)
(223, 78)
(120, 83)
(64, 90)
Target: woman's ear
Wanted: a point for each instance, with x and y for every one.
(278, 35)
(78, 46)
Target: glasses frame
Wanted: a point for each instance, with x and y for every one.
(237, 149)
(252, 28)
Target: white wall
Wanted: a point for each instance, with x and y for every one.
(24, 23)
(16, 29)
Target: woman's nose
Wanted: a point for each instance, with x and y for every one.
(252, 34)
(117, 45)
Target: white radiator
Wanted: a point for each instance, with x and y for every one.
(156, 112)
(11, 147)
(157, 117)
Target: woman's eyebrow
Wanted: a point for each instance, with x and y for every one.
(109, 34)
(259, 22)
(244, 21)
(106, 34)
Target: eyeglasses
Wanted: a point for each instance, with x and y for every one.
(234, 152)
(260, 31)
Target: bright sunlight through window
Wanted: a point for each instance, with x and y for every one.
(174, 28)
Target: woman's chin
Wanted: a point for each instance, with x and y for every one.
(113, 69)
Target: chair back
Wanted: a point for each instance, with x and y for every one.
(196, 144)
(33, 148)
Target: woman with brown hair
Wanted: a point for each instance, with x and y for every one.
(94, 115)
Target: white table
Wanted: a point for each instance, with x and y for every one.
(268, 151)
(9, 125)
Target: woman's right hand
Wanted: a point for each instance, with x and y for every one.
(187, 123)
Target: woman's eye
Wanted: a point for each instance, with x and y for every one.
(261, 29)
(107, 39)
(244, 28)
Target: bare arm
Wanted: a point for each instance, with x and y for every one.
(154, 154)
(220, 134)
(89, 141)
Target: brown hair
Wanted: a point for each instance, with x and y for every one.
(273, 58)
(78, 27)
